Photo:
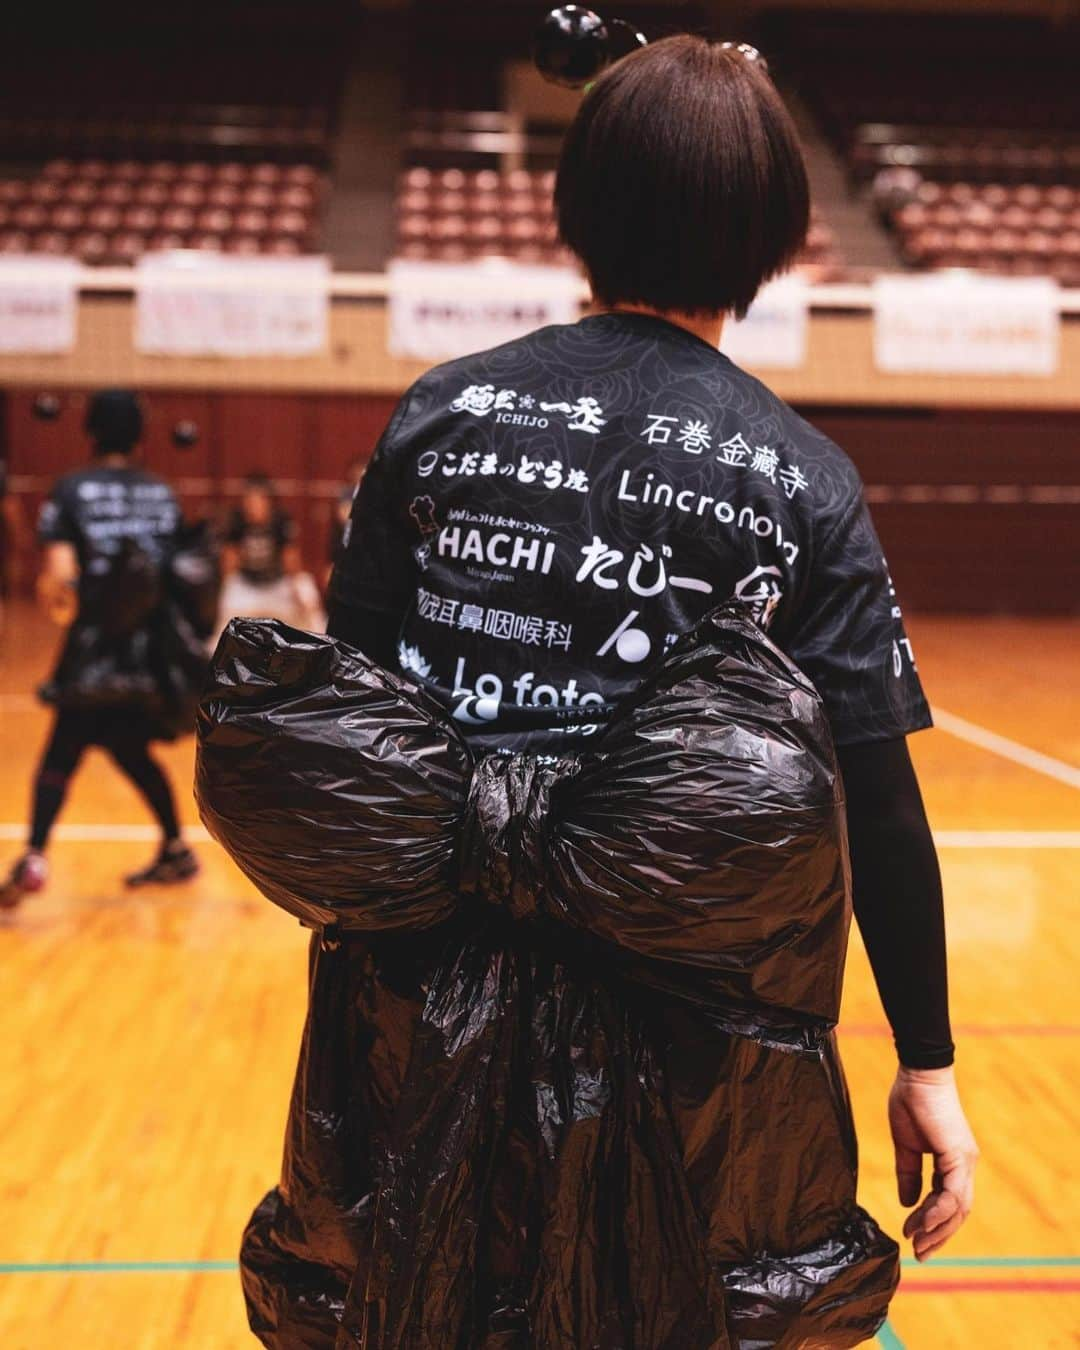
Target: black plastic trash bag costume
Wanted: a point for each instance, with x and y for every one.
(139, 640)
(569, 1077)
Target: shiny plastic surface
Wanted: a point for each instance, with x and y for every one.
(571, 46)
(568, 1077)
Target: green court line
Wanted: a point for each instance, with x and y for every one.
(888, 1339)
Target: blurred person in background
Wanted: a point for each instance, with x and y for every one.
(108, 532)
(339, 518)
(264, 571)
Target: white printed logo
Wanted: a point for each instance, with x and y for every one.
(601, 558)
(695, 436)
(479, 703)
(409, 658)
(500, 549)
(585, 414)
(762, 592)
(631, 644)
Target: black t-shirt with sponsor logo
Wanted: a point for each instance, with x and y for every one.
(98, 508)
(548, 516)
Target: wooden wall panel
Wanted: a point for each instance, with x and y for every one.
(46, 449)
(839, 366)
(977, 511)
(926, 445)
(265, 433)
(348, 427)
(164, 409)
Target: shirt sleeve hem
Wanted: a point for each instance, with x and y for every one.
(911, 1058)
(858, 734)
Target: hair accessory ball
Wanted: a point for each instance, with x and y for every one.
(574, 44)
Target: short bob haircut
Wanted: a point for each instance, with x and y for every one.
(681, 184)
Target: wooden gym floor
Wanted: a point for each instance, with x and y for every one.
(147, 1040)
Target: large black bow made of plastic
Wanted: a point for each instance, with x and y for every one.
(529, 1177)
(701, 841)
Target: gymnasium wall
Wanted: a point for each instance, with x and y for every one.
(839, 367)
(974, 481)
(978, 510)
(303, 441)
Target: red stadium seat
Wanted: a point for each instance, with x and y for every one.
(177, 219)
(116, 193)
(151, 193)
(14, 241)
(245, 244)
(293, 224)
(258, 197)
(127, 246)
(91, 246)
(166, 240)
(50, 241)
(30, 216)
(140, 219)
(251, 222)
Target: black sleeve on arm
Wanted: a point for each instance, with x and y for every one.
(897, 897)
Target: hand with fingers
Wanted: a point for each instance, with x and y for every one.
(925, 1116)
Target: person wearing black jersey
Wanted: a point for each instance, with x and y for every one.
(539, 522)
(97, 521)
(264, 573)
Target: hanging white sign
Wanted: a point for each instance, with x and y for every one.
(203, 304)
(773, 334)
(441, 310)
(38, 304)
(961, 323)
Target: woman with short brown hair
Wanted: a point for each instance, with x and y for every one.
(543, 528)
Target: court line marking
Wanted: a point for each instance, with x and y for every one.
(1007, 838)
(944, 720)
(888, 1338)
(114, 1267)
(1007, 1261)
(871, 1029)
(195, 1267)
(112, 834)
(1006, 748)
(991, 1287)
(196, 834)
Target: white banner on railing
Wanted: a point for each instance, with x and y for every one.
(442, 310)
(960, 323)
(773, 334)
(205, 304)
(38, 304)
